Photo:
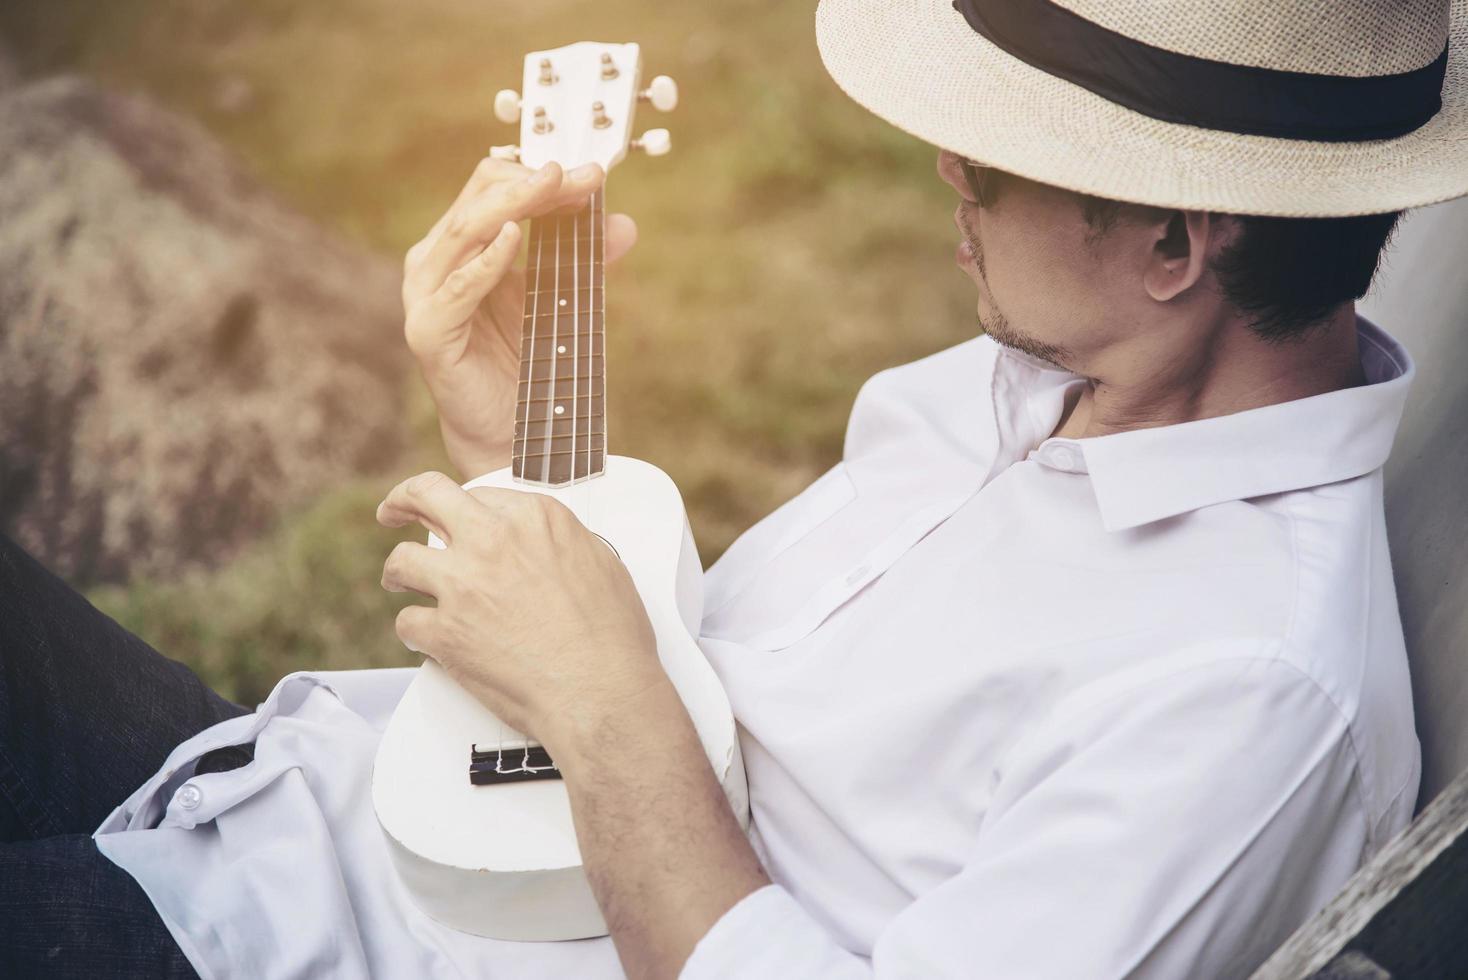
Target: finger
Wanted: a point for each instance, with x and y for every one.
(507, 503)
(416, 626)
(487, 171)
(414, 567)
(466, 286)
(470, 225)
(621, 236)
(480, 219)
(431, 499)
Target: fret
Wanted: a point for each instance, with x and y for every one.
(546, 379)
(542, 450)
(535, 445)
(567, 264)
(571, 265)
(547, 392)
(550, 332)
(579, 357)
(542, 454)
(546, 389)
(545, 231)
(587, 402)
(578, 342)
(591, 362)
(554, 396)
(558, 426)
(576, 295)
(560, 371)
(536, 429)
(585, 316)
(558, 470)
(551, 325)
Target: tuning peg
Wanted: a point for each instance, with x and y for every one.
(511, 153)
(507, 105)
(654, 142)
(662, 92)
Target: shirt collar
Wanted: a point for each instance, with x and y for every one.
(1145, 475)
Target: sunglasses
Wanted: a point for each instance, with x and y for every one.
(980, 179)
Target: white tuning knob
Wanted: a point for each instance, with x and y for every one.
(662, 92)
(511, 153)
(507, 105)
(654, 142)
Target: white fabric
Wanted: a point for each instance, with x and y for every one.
(1011, 706)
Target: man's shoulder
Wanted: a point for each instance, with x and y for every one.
(1333, 623)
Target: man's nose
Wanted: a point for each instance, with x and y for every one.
(949, 171)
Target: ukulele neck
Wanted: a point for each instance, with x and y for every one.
(560, 413)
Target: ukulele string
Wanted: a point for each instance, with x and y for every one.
(575, 351)
(555, 363)
(594, 220)
(586, 495)
(537, 229)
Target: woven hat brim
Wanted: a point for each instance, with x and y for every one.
(918, 65)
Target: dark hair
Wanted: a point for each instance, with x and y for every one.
(1287, 274)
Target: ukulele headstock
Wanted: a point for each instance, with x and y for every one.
(576, 106)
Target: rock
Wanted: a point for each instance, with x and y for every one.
(183, 356)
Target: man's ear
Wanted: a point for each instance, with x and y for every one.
(1179, 253)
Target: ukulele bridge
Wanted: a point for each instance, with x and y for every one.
(490, 766)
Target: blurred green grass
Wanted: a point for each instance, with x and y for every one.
(790, 246)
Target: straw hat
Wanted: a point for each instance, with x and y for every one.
(1282, 107)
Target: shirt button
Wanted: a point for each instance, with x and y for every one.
(189, 796)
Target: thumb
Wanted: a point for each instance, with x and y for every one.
(621, 236)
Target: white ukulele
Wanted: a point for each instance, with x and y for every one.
(476, 816)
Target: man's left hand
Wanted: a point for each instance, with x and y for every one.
(536, 616)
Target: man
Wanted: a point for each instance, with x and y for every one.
(1084, 662)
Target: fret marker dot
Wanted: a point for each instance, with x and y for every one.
(561, 349)
(563, 302)
(560, 409)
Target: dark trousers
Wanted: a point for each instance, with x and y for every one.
(87, 713)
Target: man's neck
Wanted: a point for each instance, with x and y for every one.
(1237, 371)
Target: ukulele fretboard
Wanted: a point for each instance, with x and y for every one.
(560, 414)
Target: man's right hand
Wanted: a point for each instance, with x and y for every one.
(463, 300)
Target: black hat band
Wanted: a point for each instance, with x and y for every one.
(1180, 88)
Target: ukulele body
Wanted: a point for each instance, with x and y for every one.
(502, 860)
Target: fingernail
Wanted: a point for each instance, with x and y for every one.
(543, 174)
(583, 172)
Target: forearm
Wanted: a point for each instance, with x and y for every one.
(663, 851)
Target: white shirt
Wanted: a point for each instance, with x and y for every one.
(1011, 706)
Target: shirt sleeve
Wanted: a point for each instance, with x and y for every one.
(1181, 826)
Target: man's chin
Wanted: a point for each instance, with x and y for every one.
(998, 327)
